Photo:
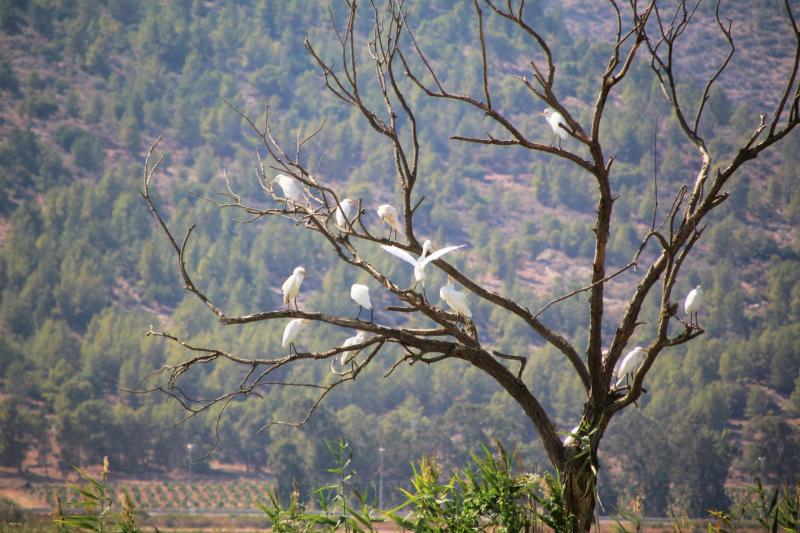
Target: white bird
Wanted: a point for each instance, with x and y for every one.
(292, 331)
(388, 214)
(291, 287)
(570, 438)
(420, 262)
(692, 304)
(630, 363)
(344, 213)
(347, 356)
(360, 295)
(292, 190)
(556, 120)
(457, 300)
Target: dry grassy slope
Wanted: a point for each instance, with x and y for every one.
(763, 39)
(25, 52)
(757, 50)
(764, 45)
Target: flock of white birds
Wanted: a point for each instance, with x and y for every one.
(344, 215)
(633, 360)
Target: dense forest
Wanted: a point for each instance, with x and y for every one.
(87, 85)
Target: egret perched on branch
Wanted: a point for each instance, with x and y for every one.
(388, 214)
(457, 300)
(570, 438)
(347, 356)
(291, 287)
(360, 295)
(292, 190)
(630, 363)
(292, 331)
(556, 121)
(419, 262)
(692, 304)
(345, 213)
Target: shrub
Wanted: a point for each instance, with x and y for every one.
(41, 106)
(87, 152)
(10, 512)
(8, 81)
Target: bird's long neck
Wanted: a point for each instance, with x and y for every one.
(425, 249)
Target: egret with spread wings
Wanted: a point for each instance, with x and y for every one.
(419, 262)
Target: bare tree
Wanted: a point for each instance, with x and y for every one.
(643, 32)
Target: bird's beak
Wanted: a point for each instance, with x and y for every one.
(541, 114)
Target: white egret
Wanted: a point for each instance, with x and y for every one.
(388, 214)
(291, 287)
(692, 304)
(292, 190)
(630, 363)
(457, 300)
(570, 438)
(348, 356)
(360, 295)
(292, 331)
(419, 262)
(345, 212)
(556, 120)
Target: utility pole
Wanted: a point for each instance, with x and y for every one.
(189, 463)
(189, 475)
(380, 478)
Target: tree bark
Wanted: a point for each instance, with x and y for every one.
(580, 492)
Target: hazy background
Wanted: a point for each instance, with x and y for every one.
(88, 85)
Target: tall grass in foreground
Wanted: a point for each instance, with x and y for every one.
(485, 495)
(97, 505)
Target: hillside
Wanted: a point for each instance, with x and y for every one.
(88, 85)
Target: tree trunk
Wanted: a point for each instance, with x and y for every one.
(580, 493)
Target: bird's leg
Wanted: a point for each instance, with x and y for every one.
(371, 315)
(359, 313)
(553, 142)
(295, 304)
(291, 347)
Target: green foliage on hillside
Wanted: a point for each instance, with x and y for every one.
(86, 85)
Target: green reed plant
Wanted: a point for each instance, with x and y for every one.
(96, 501)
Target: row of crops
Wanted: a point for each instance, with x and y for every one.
(208, 495)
